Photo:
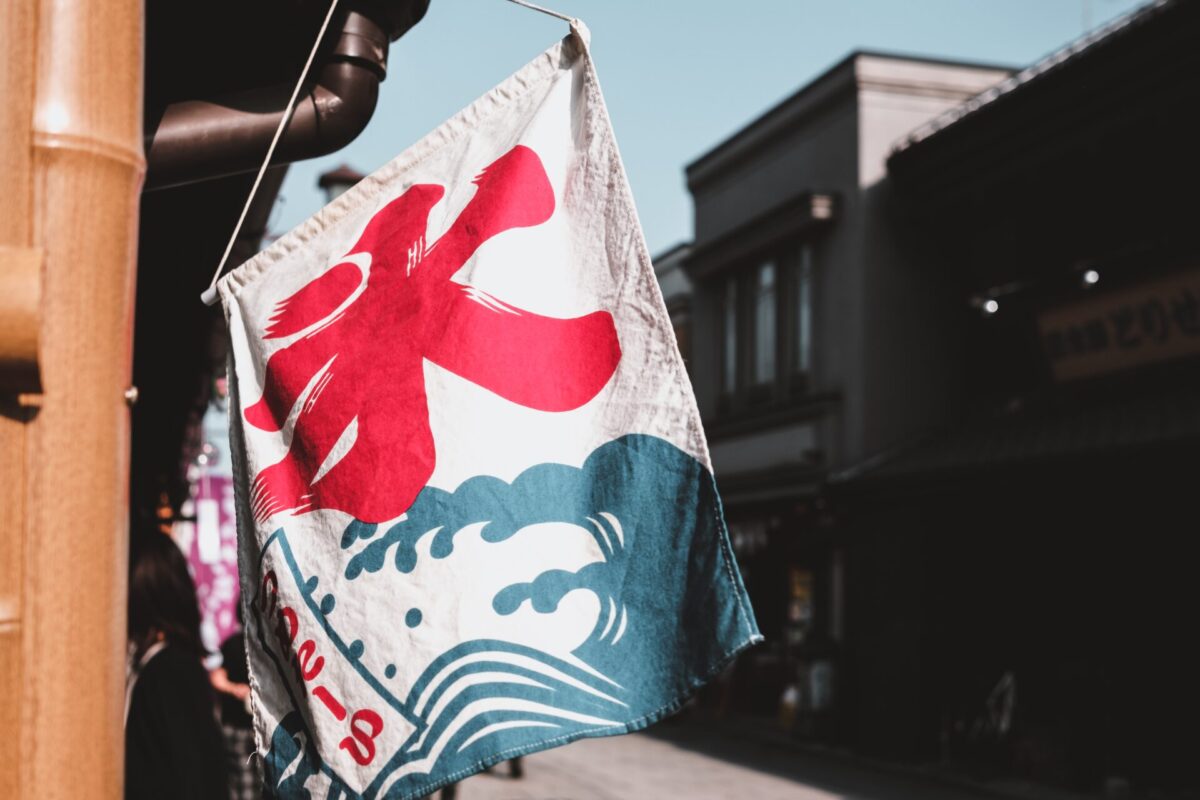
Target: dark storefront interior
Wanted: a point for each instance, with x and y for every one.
(1021, 592)
(1071, 577)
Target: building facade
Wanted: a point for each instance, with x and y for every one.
(802, 317)
(946, 344)
(1043, 529)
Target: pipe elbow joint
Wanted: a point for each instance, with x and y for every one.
(343, 102)
(199, 140)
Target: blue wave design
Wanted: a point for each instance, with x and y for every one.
(673, 611)
(543, 693)
(351, 651)
(438, 665)
(543, 493)
(591, 699)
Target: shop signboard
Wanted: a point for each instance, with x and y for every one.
(1143, 324)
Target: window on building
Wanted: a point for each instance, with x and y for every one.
(802, 349)
(764, 323)
(729, 317)
(765, 329)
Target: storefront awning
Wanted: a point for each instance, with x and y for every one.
(1166, 418)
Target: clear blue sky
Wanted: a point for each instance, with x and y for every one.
(679, 76)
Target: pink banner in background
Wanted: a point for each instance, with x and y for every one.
(212, 556)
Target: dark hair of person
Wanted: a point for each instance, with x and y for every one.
(162, 595)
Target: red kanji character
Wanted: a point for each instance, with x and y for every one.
(361, 359)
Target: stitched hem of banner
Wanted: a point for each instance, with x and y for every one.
(559, 57)
(241, 507)
(632, 726)
(697, 443)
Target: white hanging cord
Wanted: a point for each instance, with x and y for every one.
(552, 13)
(577, 27)
(210, 294)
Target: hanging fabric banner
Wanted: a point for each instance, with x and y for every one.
(476, 512)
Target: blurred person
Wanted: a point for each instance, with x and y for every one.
(232, 682)
(173, 745)
(516, 769)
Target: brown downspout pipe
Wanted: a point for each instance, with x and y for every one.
(197, 140)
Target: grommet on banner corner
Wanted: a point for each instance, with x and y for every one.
(582, 32)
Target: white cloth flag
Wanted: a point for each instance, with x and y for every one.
(475, 507)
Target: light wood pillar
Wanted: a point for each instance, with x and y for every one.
(17, 47)
(72, 164)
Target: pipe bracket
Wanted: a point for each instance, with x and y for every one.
(20, 297)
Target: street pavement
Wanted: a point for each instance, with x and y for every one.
(674, 761)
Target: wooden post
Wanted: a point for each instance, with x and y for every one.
(72, 162)
(18, 26)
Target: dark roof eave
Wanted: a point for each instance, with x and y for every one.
(808, 210)
(998, 97)
(672, 251)
(778, 116)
